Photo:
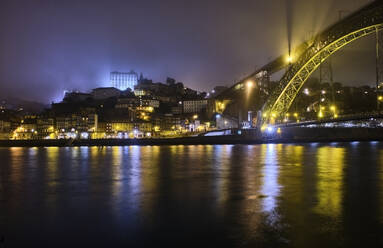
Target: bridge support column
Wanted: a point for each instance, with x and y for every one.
(326, 76)
(379, 69)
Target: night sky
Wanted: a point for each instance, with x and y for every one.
(50, 46)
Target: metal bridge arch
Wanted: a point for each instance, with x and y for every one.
(366, 21)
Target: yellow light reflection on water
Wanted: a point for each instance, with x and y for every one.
(17, 161)
(290, 182)
(116, 172)
(52, 164)
(222, 159)
(330, 164)
(270, 171)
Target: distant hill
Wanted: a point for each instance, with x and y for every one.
(21, 104)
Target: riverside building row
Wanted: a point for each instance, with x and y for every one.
(151, 110)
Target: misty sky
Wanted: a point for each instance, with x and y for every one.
(47, 46)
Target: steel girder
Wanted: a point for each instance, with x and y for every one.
(364, 22)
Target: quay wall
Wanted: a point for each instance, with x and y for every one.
(287, 135)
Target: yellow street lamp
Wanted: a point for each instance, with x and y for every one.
(249, 84)
(290, 59)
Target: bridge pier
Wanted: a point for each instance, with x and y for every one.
(379, 68)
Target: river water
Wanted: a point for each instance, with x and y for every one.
(290, 195)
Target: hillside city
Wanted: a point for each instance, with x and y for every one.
(135, 107)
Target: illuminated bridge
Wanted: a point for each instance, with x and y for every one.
(306, 58)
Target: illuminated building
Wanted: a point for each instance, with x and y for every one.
(5, 128)
(63, 123)
(45, 127)
(76, 125)
(194, 106)
(27, 129)
(127, 129)
(168, 122)
(123, 80)
(149, 102)
(119, 126)
(139, 92)
(85, 123)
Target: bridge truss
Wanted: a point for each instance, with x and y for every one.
(366, 21)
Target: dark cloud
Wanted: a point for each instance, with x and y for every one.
(47, 46)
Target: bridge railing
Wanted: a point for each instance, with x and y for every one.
(341, 118)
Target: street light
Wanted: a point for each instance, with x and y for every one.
(249, 84)
(290, 59)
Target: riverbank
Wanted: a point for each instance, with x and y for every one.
(287, 135)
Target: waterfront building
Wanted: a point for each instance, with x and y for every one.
(76, 125)
(144, 126)
(5, 126)
(26, 130)
(86, 123)
(63, 123)
(126, 129)
(45, 128)
(123, 80)
(116, 126)
(167, 122)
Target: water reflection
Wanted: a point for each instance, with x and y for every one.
(261, 195)
(222, 166)
(380, 176)
(17, 157)
(270, 171)
(330, 163)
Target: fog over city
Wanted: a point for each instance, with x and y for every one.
(52, 46)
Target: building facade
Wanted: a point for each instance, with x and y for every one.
(124, 80)
(194, 106)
